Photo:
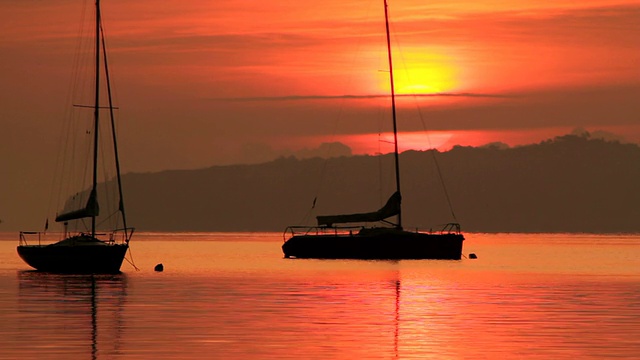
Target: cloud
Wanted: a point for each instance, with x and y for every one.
(366, 96)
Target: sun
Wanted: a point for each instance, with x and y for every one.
(422, 72)
(425, 80)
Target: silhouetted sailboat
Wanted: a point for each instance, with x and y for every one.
(81, 251)
(328, 241)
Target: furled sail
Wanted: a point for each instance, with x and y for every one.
(391, 208)
(74, 209)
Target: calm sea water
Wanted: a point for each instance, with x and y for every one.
(233, 296)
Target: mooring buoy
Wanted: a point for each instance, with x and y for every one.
(472, 256)
(159, 267)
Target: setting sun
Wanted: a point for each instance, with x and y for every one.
(421, 72)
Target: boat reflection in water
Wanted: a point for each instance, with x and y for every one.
(71, 316)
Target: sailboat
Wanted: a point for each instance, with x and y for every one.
(331, 239)
(85, 248)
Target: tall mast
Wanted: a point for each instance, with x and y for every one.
(393, 110)
(96, 111)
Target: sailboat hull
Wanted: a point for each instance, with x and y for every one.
(98, 259)
(376, 245)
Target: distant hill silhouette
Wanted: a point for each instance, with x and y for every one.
(572, 183)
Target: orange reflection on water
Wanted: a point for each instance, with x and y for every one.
(533, 296)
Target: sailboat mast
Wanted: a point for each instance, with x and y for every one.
(96, 112)
(393, 110)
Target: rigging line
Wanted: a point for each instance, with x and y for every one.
(131, 262)
(104, 189)
(105, 219)
(340, 113)
(386, 178)
(66, 124)
(96, 112)
(380, 175)
(76, 133)
(432, 150)
(383, 114)
(393, 109)
(323, 171)
(307, 215)
(120, 205)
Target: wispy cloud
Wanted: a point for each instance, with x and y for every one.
(366, 96)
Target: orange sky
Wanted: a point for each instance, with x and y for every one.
(200, 83)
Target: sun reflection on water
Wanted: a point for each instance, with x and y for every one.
(526, 296)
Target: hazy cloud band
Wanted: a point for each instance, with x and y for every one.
(371, 96)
